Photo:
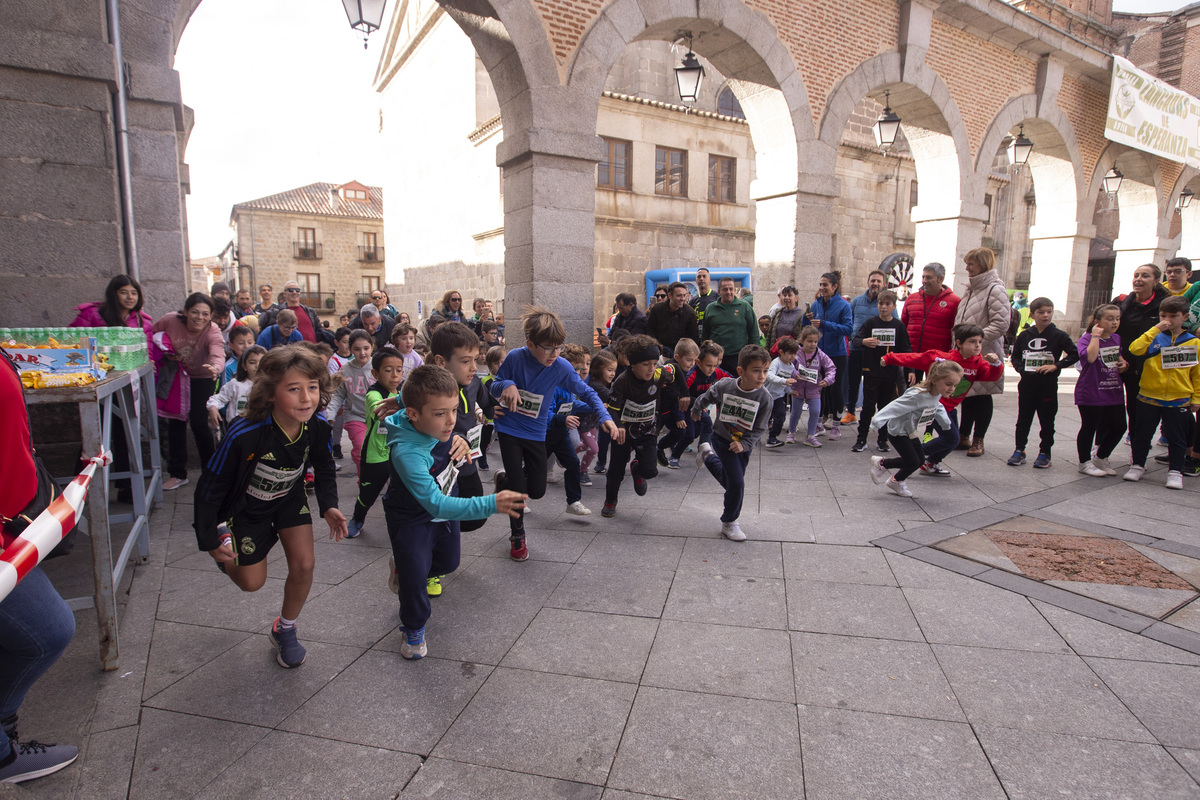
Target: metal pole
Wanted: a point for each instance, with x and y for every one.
(125, 176)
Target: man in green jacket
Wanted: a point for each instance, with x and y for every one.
(731, 323)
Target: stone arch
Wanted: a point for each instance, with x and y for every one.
(1142, 206)
(1189, 218)
(947, 224)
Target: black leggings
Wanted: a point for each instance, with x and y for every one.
(1103, 424)
(177, 454)
(524, 472)
(643, 453)
(372, 477)
(833, 400)
(976, 416)
(877, 393)
(909, 456)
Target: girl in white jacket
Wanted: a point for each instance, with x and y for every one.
(233, 394)
(906, 417)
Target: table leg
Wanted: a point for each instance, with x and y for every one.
(94, 438)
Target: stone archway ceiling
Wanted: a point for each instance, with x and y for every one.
(915, 108)
(478, 8)
(721, 47)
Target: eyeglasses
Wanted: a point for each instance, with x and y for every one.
(660, 297)
(550, 350)
(455, 299)
(376, 297)
(296, 291)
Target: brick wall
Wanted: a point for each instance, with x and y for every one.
(1086, 107)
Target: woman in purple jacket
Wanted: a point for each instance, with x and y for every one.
(831, 315)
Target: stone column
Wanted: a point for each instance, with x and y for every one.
(814, 204)
(1059, 271)
(946, 240)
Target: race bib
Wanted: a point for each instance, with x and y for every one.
(634, 413)
(1037, 358)
(530, 404)
(808, 375)
(1178, 357)
(241, 403)
(474, 437)
(381, 429)
(1110, 357)
(886, 336)
(927, 416)
(269, 483)
(447, 478)
(565, 408)
(738, 412)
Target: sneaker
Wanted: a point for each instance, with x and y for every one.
(835, 432)
(393, 578)
(37, 760)
(1103, 464)
(599, 469)
(1174, 479)
(609, 510)
(517, 550)
(1162, 442)
(639, 483)
(1042, 461)
(882, 446)
(858, 446)
(828, 421)
(774, 443)
(849, 417)
(289, 652)
(1163, 458)
(1135, 473)
(702, 453)
(170, 484)
(927, 438)
(1017, 458)
(585, 479)
(899, 487)
(433, 586)
(578, 509)
(1191, 468)
(354, 528)
(553, 474)
(672, 463)
(879, 473)
(661, 456)
(1088, 468)
(310, 482)
(413, 646)
(732, 531)
(482, 465)
(790, 438)
(812, 441)
(936, 470)
(337, 452)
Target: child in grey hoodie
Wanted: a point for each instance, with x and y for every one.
(351, 395)
(905, 417)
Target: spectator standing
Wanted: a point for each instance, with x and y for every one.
(375, 323)
(306, 319)
(985, 303)
(386, 308)
(451, 307)
(629, 316)
(673, 319)
(929, 313)
(704, 295)
(242, 305)
(787, 319)
(862, 308)
(1139, 313)
(266, 302)
(730, 322)
(830, 314)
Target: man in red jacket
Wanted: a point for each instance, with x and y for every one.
(929, 313)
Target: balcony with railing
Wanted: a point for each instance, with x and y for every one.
(319, 301)
(370, 253)
(309, 251)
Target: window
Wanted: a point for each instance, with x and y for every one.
(722, 179)
(354, 194)
(912, 195)
(670, 171)
(613, 171)
(727, 104)
(370, 283)
(307, 237)
(306, 245)
(370, 250)
(310, 289)
(987, 203)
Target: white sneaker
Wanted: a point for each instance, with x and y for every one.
(732, 531)
(879, 473)
(1135, 473)
(578, 509)
(171, 484)
(703, 452)
(553, 474)
(1088, 468)
(1174, 480)
(899, 487)
(1102, 463)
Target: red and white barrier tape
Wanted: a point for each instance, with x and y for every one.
(28, 549)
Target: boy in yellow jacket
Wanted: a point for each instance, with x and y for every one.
(1169, 390)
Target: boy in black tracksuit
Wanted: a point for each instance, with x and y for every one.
(1041, 352)
(671, 416)
(634, 407)
(881, 382)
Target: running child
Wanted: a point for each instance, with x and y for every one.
(968, 344)
(387, 365)
(350, 398)
(240, 338)
(743, 407)
(634, 402)
(1040, 354)
(341, 356)
(903, 421)
(421, 507)
(404, 339)
(781, 376)
(878, 336)
(602, 371)
(495, 357)
(1169, 390)
(233, 394)
(699, 380)
(283, 332)
(814, 372)
(1099, 392)
(674, 400)
(562, 438)
(523, 386)
(251, 493)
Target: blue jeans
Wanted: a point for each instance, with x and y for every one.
(35, 628)
(421, 550)
(945, 442)
(729, 469)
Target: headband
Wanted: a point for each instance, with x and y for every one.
(648, 353)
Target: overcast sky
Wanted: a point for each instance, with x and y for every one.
(283, 98)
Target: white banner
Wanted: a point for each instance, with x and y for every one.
(1150, 115)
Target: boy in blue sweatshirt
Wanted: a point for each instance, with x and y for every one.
(524, 388)
(421, 507)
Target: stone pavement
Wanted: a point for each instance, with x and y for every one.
(646, 656)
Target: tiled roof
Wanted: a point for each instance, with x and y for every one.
(320, 199)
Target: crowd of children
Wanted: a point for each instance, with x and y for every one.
(421, 423)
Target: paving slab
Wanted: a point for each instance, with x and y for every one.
(845, 608)
(647, 552)
(609, 647)
(1164, 697)
(1087, 637)
(166, 763)
(859, 565)
(982, 615)
(453, 780)
(718, 659)
(723, 557)
(727, 600)
(179, 650)
(613, 589)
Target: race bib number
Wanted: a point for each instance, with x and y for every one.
(241, 403)
(565, 408)
(381, 429)
(447, 478)
(530, 404)
(635, 413)
(738, 412)
(927, 416)
(808, 375)
(1110, 357)
(886, 336)
(1037, 358)
(474, 437)
(268, 483)
(1178, 357)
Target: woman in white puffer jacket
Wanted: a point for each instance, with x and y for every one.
(984, 303)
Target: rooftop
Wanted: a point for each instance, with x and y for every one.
(322, 199)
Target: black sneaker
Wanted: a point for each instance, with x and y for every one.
(662, 458)
(609, 510)
(1163, 458)
(882, 446)
(599, 469)
(859, 446)
(37, 760)
(774, 443)
(1191, 468)
(337, 452)
(639, 483)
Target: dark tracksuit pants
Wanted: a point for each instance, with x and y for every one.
(1175, 426)
(372, 477)
(1103, 424)
(779, 410)
(421, 551)
(729, 468)
(877, 393)
(558, 444)
(1043, 401)
(524, 471)
(832, 397)
(945, 442)
(908, 457)
(643, 450)
(177, 454)
(674, 435)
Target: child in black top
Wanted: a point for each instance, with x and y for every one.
(602, 371)
(634, 406)
(673, 402)
(1041, 352)
(878, 336)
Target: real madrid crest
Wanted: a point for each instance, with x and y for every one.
(247, 547)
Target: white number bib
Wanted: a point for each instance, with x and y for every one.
(447, 478)
(738, 412)
(635, 413)
(926, 417)
(530, 404)
(1110, 357)
(1178, 357)
(1037, 358)
(268, 483)
(474, 437)
(808, 375)
(886, 336)
(565, 408)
